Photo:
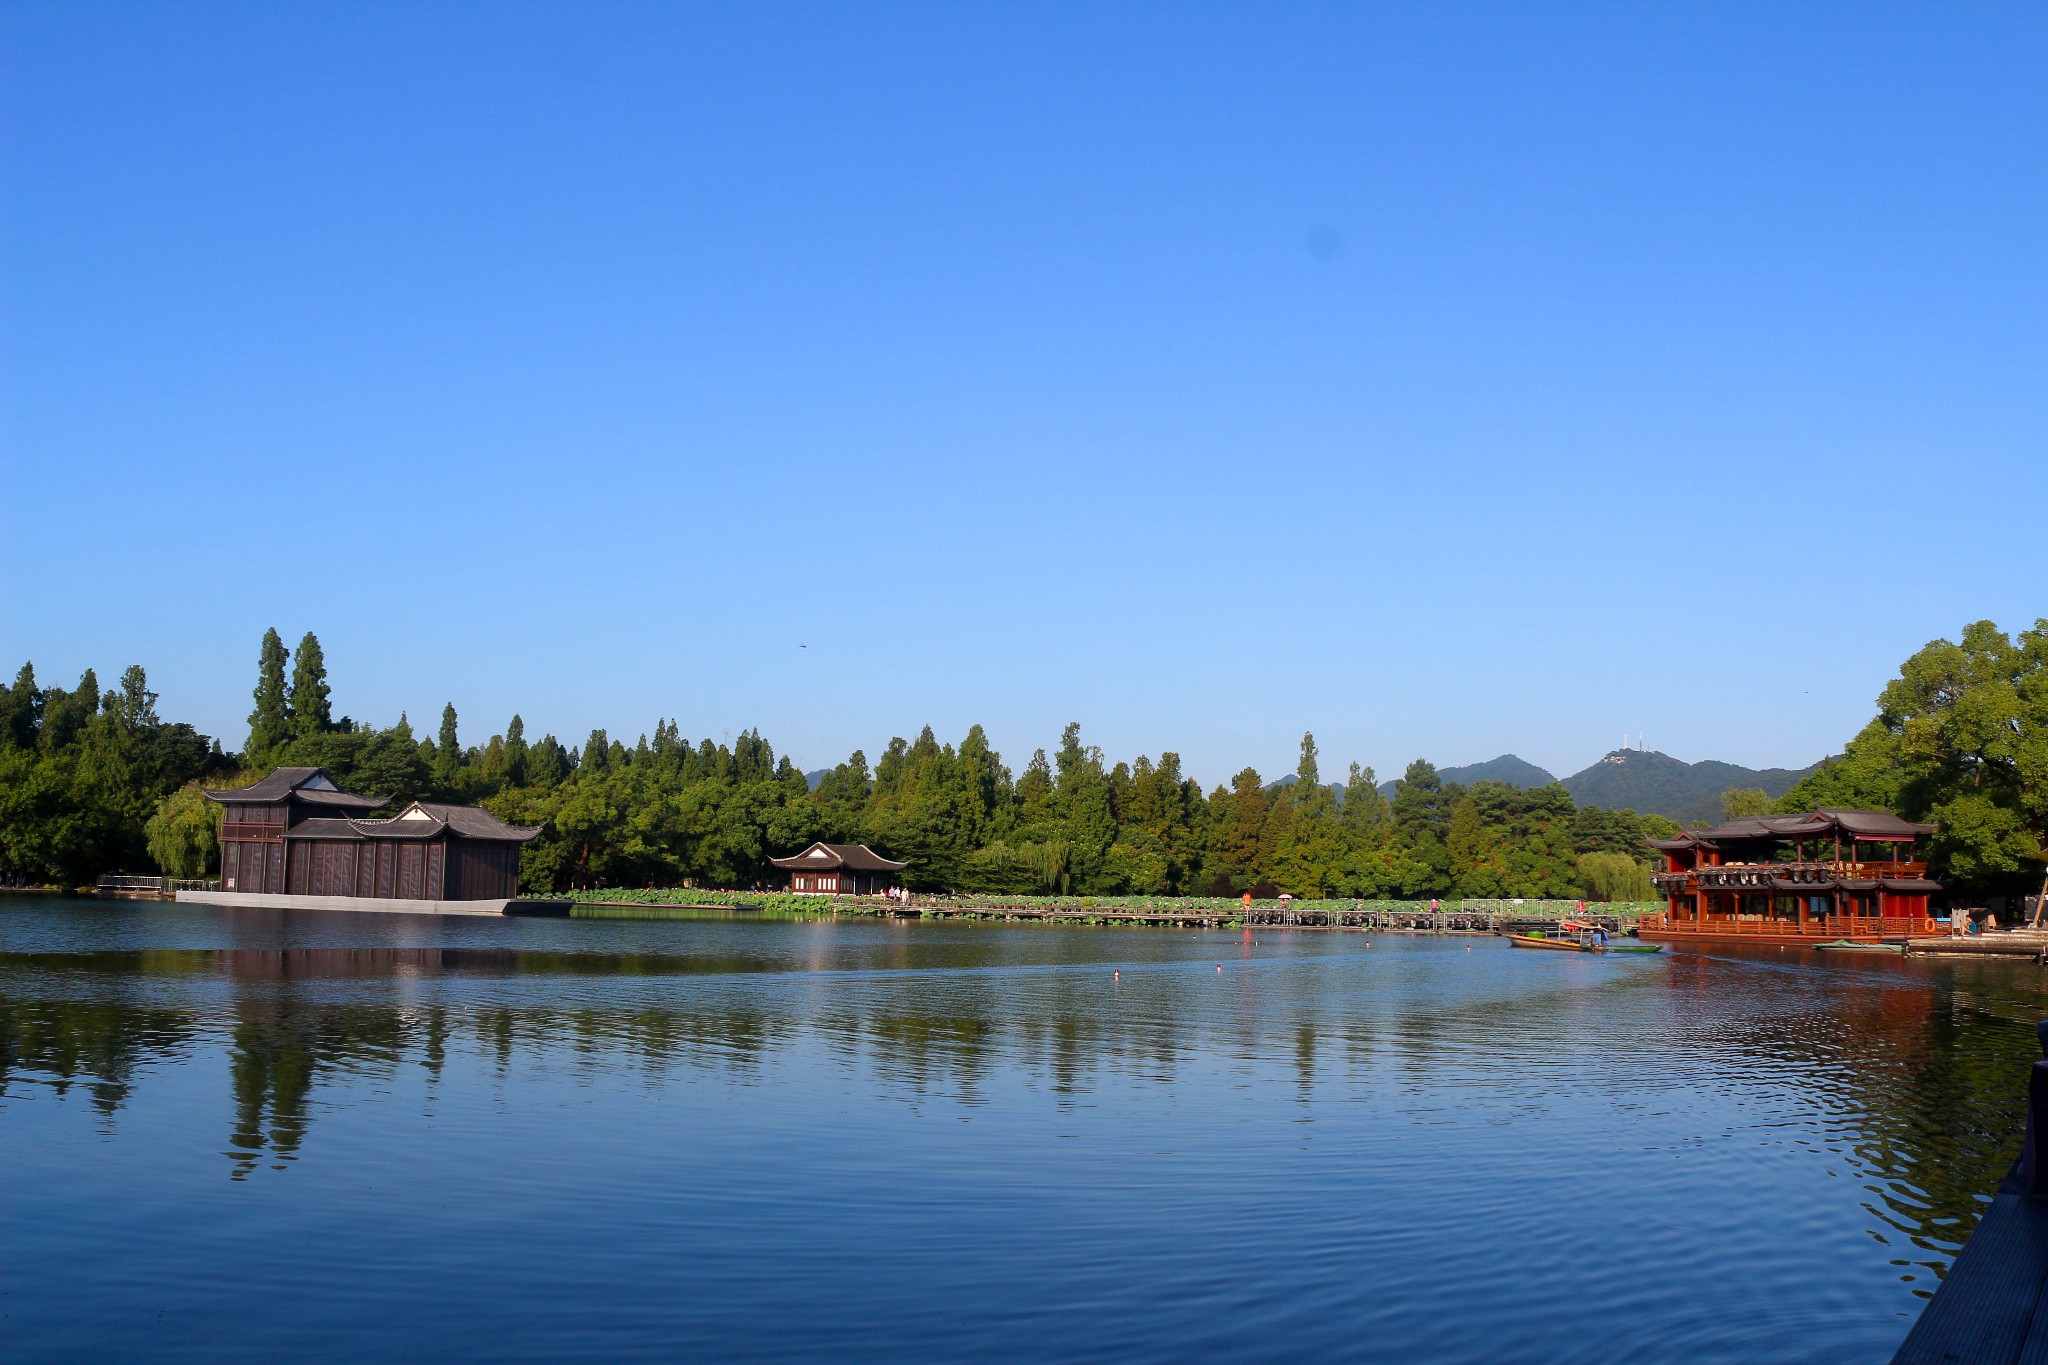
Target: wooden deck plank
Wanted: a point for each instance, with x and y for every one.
(1989, 1305)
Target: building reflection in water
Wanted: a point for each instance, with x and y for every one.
(1910, 1076)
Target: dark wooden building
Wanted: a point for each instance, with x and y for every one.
(839, 870)
(296, 833)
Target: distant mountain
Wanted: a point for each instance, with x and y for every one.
(1516, 772)
(1651, 783)
(1641, 780)
(1282, 783)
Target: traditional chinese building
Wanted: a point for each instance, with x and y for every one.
(839, 870)
(295, 833)
(1788, 879)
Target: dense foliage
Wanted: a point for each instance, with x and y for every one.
(94, 781)
(666, 812)
(82, 771)
(1961, 739)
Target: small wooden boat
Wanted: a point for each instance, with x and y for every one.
(1566, 945)
(1634, 948)
(1843, 945)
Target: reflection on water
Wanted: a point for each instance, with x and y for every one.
(1325, 1117)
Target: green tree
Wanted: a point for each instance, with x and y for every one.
(76, 799)
(21, 710)
(65, 714)
(311, 713)
(1473, 852)
(1086, 813)
(1737, 802)
(184, 834)
(1614, 877)
(1867, 775)
(1422, 807)
(270, 724)
(447, 749)
(842, 799)
(134, 706)
(1240, 828)
(515, 753)
(547, 765)
(1960, 739)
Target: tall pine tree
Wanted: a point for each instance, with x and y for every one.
(311, 714)
(447, 748)
(515, 753)
(270, 724)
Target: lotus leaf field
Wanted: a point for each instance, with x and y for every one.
(790, 902)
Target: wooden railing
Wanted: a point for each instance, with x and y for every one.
(1758, 876)
(1830, 927)
(121, 881)
(1874, 871)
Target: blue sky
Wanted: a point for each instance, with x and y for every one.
(1446, 379)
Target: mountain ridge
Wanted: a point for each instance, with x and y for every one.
(1653, 783)
(1642, 780)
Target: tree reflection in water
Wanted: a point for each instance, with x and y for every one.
(1907, 1074)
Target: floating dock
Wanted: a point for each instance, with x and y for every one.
(1989, 1310)
(2011, 943)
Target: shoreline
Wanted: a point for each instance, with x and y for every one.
(1410, 923)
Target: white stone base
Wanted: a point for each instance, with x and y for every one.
(254, 900)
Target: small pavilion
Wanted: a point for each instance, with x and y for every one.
(839, 870)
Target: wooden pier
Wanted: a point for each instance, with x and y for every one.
(1992, 1307)
(1262, 916)
(1191, 915)
(2031, 943)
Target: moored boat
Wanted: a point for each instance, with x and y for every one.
(1567, 945)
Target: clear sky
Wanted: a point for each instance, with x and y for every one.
(1448, 379)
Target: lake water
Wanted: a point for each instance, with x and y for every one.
(237, 1135)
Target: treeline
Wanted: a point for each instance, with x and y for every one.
(665, 811)
(92, 782)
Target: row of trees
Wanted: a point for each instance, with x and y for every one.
(89, 782)
(665, 811)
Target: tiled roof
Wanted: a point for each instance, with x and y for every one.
(1880, 825)
(432, 819)
(293, 783)
(823, 857)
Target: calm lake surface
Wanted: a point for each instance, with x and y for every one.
(239, 1135)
